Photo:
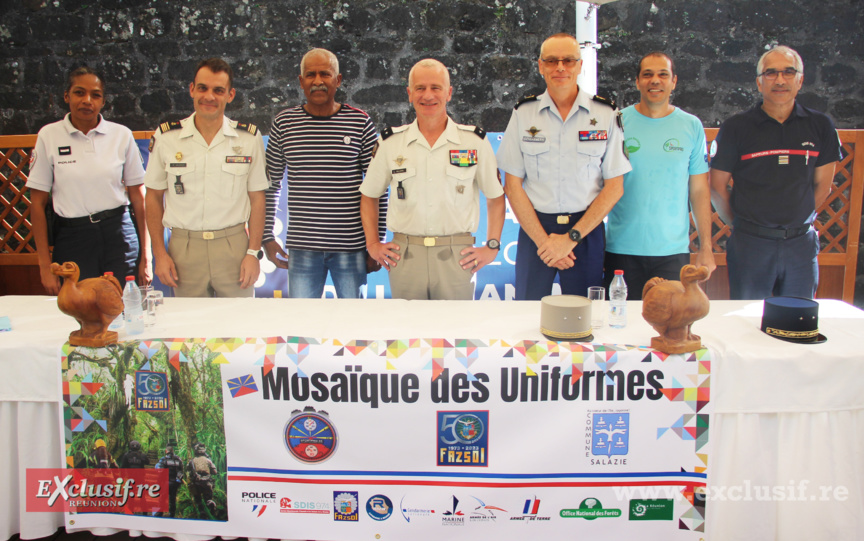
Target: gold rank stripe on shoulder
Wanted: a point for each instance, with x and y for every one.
(604, 101)
(168, 126)
(526, 99)
(247, 126)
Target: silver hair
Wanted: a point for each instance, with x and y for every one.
(785, 51)
(334, 62)
(560, 35)
(429, 63)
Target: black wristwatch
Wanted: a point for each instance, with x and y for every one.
(494, 244)
(575, 235)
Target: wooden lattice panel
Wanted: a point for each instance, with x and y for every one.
(15, 230)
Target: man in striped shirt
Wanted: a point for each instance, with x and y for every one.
(325, 147)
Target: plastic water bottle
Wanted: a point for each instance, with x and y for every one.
(117, 324)
(618, 301)
(132, 307)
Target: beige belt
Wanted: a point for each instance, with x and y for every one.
(461, 238)
(208, 235)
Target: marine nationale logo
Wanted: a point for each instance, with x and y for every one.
(463, 438)
(310, 436)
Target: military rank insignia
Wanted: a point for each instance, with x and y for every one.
(463, 158)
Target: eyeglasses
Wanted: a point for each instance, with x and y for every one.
(568, 62)
(771, 74)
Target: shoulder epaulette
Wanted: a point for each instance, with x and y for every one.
(168, 126)
(604, 101)
(247, 126)
(526, 99)
(481, 133)
(390, 130)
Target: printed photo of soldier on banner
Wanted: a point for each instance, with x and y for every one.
(141, 405)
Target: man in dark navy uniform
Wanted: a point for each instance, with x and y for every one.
(771, 168)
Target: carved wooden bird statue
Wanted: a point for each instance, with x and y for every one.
(671, 307)
(94, 303)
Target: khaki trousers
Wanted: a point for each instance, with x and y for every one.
(431, 272)
(208, 262)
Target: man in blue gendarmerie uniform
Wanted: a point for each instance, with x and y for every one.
(779, 159)
(648, 233)
(563, 155)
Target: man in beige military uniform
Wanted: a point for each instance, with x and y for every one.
(210, 173)
(435, 170)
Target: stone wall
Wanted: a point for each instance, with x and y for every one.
(149, 48)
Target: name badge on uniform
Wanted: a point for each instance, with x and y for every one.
(64, 151)
(238, 159)
(397, 171)
(176, 165)
(593, 135)
(463, 158)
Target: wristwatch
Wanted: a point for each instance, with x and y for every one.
(575, 235)
(255, 253)
(494, 244)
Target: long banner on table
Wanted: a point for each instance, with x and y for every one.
(289, 437)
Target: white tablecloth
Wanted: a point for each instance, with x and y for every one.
(789, 418)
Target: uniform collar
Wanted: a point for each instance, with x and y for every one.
(189, 129)
(583, 100)
(451, 132)
(798, 111)
(70, 128)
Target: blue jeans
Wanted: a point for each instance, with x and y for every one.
(307, 272)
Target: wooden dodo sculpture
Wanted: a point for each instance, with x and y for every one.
(94, 303)
(671, 307)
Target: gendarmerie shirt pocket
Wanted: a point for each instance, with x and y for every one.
(403, 187)
(184, 172)
(234, 174)
(460, 184)
(589, 155)
(534, 150)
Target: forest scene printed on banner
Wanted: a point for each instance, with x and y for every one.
(143, 404)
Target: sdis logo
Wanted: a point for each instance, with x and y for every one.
(287, 505)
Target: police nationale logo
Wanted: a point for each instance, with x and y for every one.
(379, 507)
(151, 391)
(463, 438)
(610, 436)
(310, 436)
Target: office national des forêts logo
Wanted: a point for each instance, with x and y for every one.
(130, 490)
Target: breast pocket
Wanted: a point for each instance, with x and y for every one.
(233, 179)
(185, 173)
(460, 184)
(589, 156)
(404, 180)
(534, 154)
